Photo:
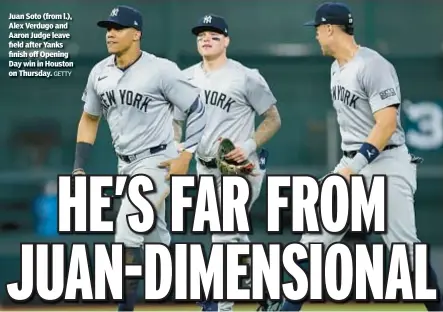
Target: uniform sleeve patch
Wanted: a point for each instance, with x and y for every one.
(387, 93)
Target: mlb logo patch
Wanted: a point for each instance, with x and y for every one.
(387, 93)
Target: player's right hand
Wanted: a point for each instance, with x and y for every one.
(78, 172)
(177, 166)
(346, 173)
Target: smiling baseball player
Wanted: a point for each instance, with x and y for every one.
(135, 92)
(365, 91)
(233, 95)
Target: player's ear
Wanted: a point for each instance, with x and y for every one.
(227, 41)
(332, 29)
(137, 35)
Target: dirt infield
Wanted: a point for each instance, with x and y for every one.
(238, 307)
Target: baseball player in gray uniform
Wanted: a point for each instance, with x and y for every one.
(366, 95)
(233, 95)
(135, 92)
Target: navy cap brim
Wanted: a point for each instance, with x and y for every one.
(106, 24)
(199, 29)
(311, 23)
(110, 23)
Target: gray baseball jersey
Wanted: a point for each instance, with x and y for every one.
(363, 86)
(138, 102)
(360, 88)
(233, 95)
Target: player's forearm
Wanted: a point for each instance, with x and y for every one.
(381, 134)
(385, 125)
(87, 128)
(86, 135)
(195, 126)
(177, 125)
(268, 127)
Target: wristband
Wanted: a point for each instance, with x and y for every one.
(82, 152)
(357, 163)
(365, 156)
(249, 146)
(369, 151)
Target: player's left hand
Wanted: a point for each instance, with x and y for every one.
(346, 173)
(238, 155)
(177, 166)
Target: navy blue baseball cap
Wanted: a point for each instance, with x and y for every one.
(334, 13)
(123, 16)
(211, 22)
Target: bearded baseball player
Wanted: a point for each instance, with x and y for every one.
(233, 95)
(366, 95)
(135, 92)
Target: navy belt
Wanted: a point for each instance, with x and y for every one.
(351, 154)
(150, 151)
(212, 164)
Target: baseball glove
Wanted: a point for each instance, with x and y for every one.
(230, 167)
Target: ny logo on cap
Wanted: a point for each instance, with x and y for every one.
(114, 12)
(207, 19)
(350, 18)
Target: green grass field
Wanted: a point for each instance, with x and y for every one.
(239, 307)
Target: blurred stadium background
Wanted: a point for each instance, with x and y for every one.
(38, 118)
